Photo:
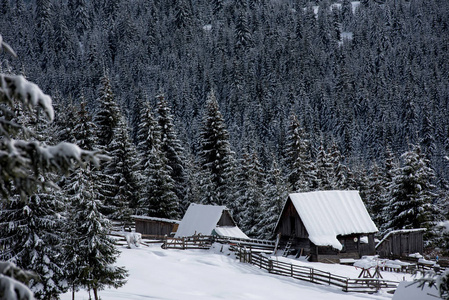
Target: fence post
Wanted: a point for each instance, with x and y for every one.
(291, 270)
(270, 265)
(311, 274)
(183, 243)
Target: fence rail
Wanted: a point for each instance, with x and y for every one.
(362, 285)
(206, 241)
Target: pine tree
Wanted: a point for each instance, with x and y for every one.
(31, 223)
(123, 168)
(34, 231)
(412, 193)
(250, 193)
(216, 157)
(276, 194)
(374, 198)
(108, 114)
(298, 161)
(325, 169)
(172, 148)
(91, 252)
(158, 198)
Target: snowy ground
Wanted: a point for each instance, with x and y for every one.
(155, 273)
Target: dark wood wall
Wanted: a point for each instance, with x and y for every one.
(226, 219)
(156, 228)
(291, 223)
(401, 244)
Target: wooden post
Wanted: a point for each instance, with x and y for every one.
(270, 265)
(291, 270)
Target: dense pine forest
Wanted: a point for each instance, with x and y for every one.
(229, 102)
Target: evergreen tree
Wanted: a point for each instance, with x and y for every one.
(34, 231)
(250, 194)
(172, 148)
(216, 157)
(298, 162)
(412, 193)
(108, 114)
(325, 169)
(91, 252)
(276, 194)
(374, 198)
(123, 168)
(158, 198)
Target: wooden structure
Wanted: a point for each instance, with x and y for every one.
(360, 285)
(401, 243)
(155, 227)
(208, 220)
(326, 226)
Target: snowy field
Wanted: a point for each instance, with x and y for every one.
(155, 273)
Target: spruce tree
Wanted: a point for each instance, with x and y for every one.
(216, 157)
(157, 198)
(276, 194)
(91, 252)
(298, 162)
(250, 193)
(123, 168)
(413, 193)
(172, 148)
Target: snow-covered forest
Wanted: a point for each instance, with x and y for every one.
(229, 102)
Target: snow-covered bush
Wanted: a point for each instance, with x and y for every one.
(12, 280)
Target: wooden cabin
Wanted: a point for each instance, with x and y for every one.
(208, 220)
(401, 243)
(155, 227)
(326, 226)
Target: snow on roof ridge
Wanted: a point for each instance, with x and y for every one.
(328, 214)
(155, 219)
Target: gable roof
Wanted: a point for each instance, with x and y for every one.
(203, 219)
(327, 214)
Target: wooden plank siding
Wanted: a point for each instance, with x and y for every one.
(155, 228)
(226, 219)
(401, 244)
(292, 229)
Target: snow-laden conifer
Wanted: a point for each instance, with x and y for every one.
(215, 156)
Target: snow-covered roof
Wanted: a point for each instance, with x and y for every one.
(399, 231)
(156, 219)
(230, 231)
(203, 219)
(327, 214)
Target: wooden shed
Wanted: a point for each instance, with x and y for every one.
(155, 227)
(401, 243)
(209, 220)
(327, 225)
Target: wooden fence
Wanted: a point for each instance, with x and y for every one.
(190, 242)
(361, 285)
(206, 241)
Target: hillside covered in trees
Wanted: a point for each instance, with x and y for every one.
(239, 102)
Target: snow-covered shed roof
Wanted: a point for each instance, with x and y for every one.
(327, 214)
(203, 219)
(137, 217)
(230, 231)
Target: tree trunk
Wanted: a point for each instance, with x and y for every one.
(95, 293)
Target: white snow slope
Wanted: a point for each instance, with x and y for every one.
(155, 273)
